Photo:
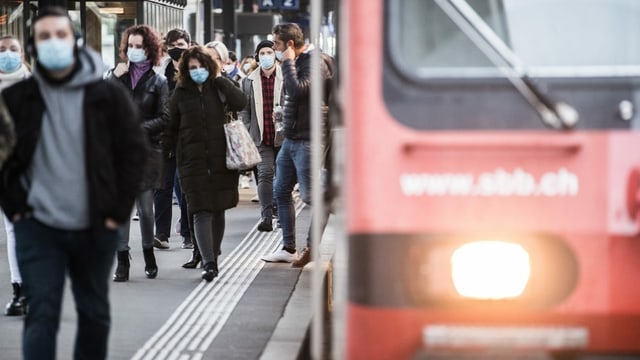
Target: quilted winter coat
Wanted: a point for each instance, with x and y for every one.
(196, 129)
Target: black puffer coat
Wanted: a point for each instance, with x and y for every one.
(151, 95)
(196, 129)
(297, 89)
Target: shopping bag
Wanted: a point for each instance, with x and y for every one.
(242, 153)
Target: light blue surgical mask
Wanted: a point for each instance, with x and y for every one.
(10, 61)
(136, 55)
(279, 55)
(267, 61)
(55, 54)
(199, 75)
(246, 67)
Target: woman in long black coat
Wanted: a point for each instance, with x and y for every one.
(197, 115)
(141, 49)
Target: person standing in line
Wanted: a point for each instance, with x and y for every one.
(196, 130)
(232, 68)
(77, 132)
(141, 49)
(177, 41)
(248, 64)
(293, 162)
(263, 89)
(12, 70)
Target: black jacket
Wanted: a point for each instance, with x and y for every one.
(297, 88)
(151, 95)
(115, 149)
(196, 130)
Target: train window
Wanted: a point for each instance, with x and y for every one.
(551, 37)
(453, 64)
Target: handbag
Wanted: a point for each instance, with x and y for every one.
(242, 153)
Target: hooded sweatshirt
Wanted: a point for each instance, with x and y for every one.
(59, 187)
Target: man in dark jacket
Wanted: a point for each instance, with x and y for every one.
(293, 162)
(69, 183)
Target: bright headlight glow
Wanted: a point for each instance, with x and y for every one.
(490, 270)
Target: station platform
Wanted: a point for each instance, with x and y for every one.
(252, 310)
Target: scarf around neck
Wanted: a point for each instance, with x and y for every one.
(137, 70)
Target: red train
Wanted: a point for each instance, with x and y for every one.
(493, 182)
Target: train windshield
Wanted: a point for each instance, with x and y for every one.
(551, 37)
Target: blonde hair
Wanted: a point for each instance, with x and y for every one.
(220, 48)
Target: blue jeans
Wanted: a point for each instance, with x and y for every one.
(144, 205)
(45, 255)
(293, 164)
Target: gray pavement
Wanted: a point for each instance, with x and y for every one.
(251, 310)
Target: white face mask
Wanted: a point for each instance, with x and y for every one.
(246, 67)
(267, 61)
(279, 55)
(229, 68)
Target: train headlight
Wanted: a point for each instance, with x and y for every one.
(490, 270)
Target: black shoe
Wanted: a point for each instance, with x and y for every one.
(210, 271)
(18, 305)
(265, 225)
(122, 270)
(194, 261)
(150, 266)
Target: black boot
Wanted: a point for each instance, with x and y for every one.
(150, 266)
(122, 270)
(195, 258)
(210, 270)
(17, 306)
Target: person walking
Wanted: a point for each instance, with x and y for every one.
(12, 70)
(141, 49)
(293, 162)
(77, 132)
(177, 41)
(197, 114)
(263, 89)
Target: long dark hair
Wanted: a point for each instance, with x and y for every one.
(198, 53)
(151, 42)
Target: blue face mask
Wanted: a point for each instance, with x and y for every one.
(55, 54)
(199, 75)
(267, 61)
(136, 55)
(10, 61)
(279, 55)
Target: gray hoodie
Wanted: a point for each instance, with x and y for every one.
(59, 187)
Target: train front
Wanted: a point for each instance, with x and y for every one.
(493, 177)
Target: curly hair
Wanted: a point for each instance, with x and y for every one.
(198, 53)
(151, 42)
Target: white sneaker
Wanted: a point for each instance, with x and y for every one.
(244, 182)
(281, 256)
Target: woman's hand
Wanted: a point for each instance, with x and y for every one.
(121, 69)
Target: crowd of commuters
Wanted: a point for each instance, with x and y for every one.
(139, 139)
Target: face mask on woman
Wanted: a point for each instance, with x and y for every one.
(199, 75)
(136, 55)
(55, 54)
(10, 61)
